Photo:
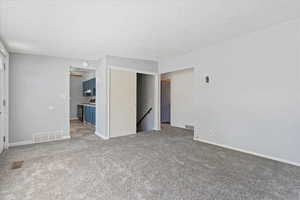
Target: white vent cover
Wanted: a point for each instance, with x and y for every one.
(47, 136)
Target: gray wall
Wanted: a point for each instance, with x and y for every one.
(39, 94)
(5, 93)
(102, 98)
(134, 64)
(252, 102)
(145, 100)
(76, 95)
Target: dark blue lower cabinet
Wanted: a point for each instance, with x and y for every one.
(95, 116)
(93, 109)
(90, 114)
(85, 113)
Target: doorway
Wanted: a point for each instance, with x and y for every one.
(177, 99)
(165, 102)
(82, 101)
(145, 118)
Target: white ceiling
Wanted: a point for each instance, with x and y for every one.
(148, 29)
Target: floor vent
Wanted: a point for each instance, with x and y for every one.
(17, 164)
(47, 136)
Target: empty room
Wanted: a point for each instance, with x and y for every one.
(146, 100)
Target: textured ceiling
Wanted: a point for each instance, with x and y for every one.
(145, 29)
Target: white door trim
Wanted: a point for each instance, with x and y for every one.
(69, 95)
(131, 70)
(6, 74)
(3, 103)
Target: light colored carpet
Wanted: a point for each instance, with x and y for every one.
(160, 165)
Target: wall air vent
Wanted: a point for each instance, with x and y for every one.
(47, 136)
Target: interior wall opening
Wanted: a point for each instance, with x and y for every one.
(145, 114)
(133, 102)
(177, 99)
(165, 102)
(82, 101)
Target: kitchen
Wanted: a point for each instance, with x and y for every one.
(82, 102)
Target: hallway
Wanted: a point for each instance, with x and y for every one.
(78, 128)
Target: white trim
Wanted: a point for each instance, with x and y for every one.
(69, 100)
(5, 96)
(108, 72)
(74, 118)
(20, 143)
(128, 134)
(131, 70)
(248, 152)
(101, 136)
(157, 102)
(27, 142)
(175, 70)
(65, 137)
(69, 95)
(3, 52)
(7, 100)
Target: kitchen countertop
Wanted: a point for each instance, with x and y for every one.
(88, 104)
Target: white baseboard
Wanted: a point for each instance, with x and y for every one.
(249, 152)
(20, 143)
(27, 142)
(101, 136)
(74, 118)
(66, 137)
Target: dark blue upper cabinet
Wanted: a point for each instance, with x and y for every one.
(93, 86)
(89, 87)
(84, 86)
(85, 113)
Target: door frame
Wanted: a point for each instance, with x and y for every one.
(156, 92)
(169, 81)
(69, 96)
(5, 98)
